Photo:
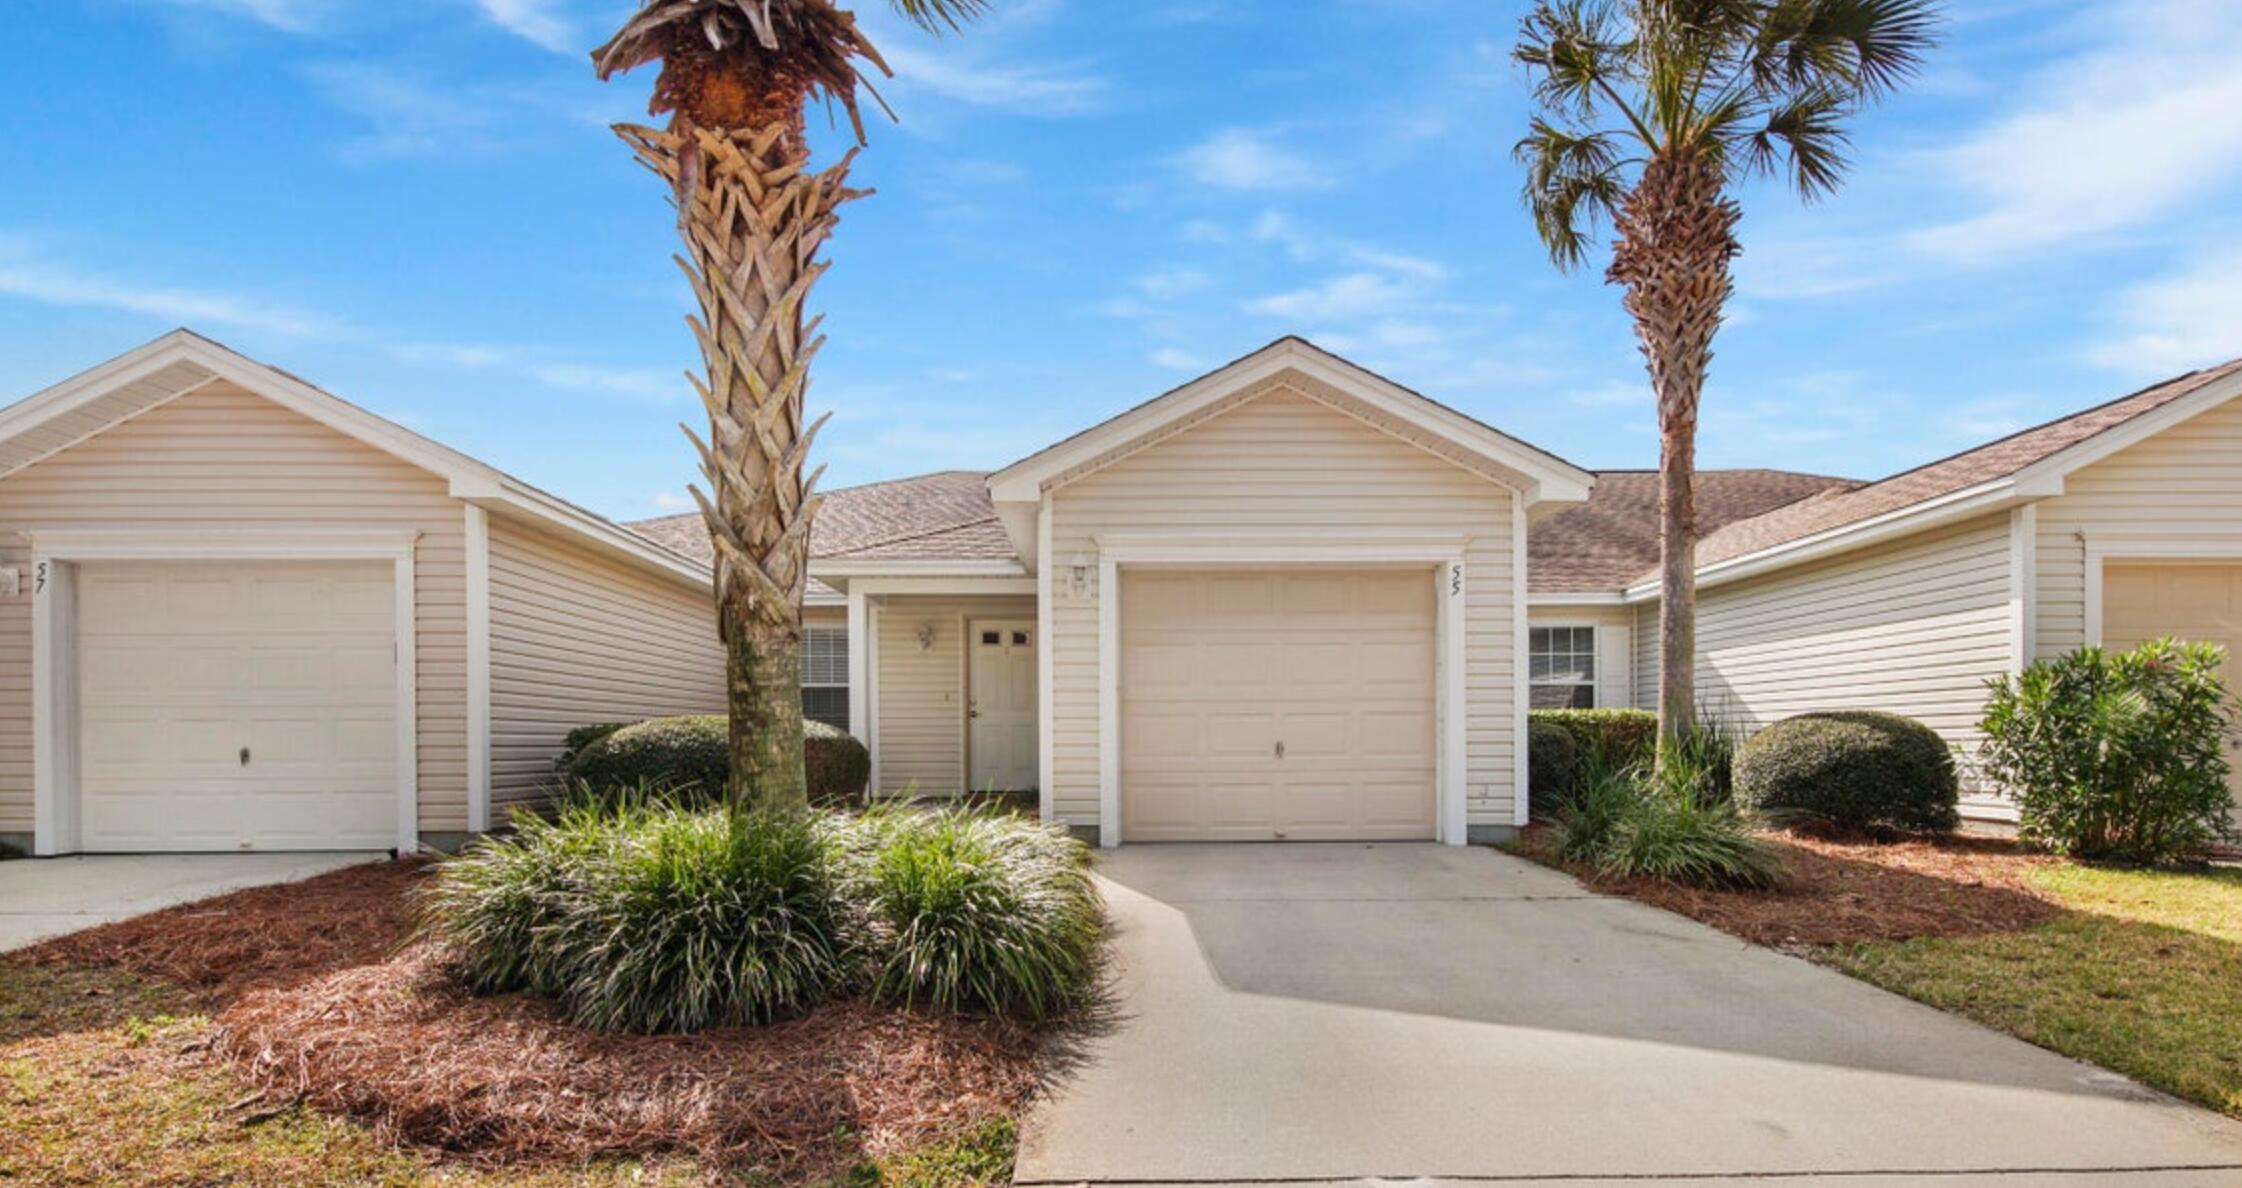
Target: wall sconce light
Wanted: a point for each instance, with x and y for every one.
(926, 637)
(1078, 575)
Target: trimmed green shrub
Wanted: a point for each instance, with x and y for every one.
(1615, 738)
(1851, 770)
(970, 909)
(2116, 755)
(836, 764)
(584, 736)
(1552, 768)
(691, 758)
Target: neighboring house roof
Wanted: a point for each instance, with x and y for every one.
(2050, 444)
(1603, 544)
(945, 516)
(51, 421)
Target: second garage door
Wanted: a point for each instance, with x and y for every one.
(237, 706)
(2197, 602)
(1277, 705)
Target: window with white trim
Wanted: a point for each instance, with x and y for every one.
(1563, 672)
(825, 675)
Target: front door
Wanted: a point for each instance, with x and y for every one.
(1000, 705)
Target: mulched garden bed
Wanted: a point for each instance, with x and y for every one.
(1842, 892)
(322, 997)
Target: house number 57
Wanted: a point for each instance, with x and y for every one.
(39, 578)
(1455, 580)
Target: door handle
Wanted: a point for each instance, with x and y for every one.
(245, 756)
(1280, 748)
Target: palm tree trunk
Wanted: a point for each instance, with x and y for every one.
(1676, 234)
(753, 216)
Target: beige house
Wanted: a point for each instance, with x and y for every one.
(237, 613)
(1289, 600)
(1219, 597)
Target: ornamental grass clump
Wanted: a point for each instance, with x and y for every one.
(1666, 823)
(969, 909)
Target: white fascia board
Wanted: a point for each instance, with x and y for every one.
(945, 586)
(1547, 477)
(94, 382)
(1999, 495)
(1574, 598)
(2055, 466)
(519, 501)
(841, 574)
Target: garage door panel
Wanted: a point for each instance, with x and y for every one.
(2199, 603)
(1218, 667)
(183, 665)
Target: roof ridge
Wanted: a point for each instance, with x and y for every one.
(921, 534)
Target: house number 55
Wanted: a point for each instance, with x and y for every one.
(1455, 580)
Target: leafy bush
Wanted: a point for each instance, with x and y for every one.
(1852, 770)
(836, 764)
(584, 736)
(974, 909)
(691, 757)
(639, 915)
(1552, 768)
(651, 919)
(2116, 755)
(1615, 738)
(1640, 822)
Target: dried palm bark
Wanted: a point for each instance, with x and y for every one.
(753, 216)
(1674, 236)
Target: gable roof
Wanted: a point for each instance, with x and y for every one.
(50, 421)
(2026, 464)
(1295, 363)
(1602, 545)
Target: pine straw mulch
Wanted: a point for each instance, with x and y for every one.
(1848, 891)
(322, 998)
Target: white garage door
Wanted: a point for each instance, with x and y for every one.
(2200, 603)
(237, 705)
(1277, 705)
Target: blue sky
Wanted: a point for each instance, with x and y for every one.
(415, 203)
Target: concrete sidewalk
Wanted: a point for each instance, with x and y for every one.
(43, 897)
(1333, 1013)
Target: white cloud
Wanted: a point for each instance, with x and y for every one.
(1352, 295)
(672, 501)
(636, 383)
(534, 21)
(1242, 159)
(51, 284)
(1301, 244)
(290, 16)
(2144, 121)
(1028, 90)
(1168, 284)
(1177, 360)
(2189, 318)
(1613, 394)
(407, 117)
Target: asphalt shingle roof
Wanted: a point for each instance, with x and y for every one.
(1601, 546)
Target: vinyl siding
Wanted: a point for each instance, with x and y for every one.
(577, 638)
(1615, 646)
(2185, 481)
(920, 711)
(1913, 627)
(222, 456)
(1646, 657)
(1285, 462)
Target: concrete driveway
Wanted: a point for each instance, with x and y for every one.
(1301, 1013)
(43, 897)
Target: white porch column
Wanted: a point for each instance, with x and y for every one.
(860, 668)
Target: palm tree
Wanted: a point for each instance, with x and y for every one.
(737, 77)
(1650, 111)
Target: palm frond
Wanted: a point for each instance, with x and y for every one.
(1572, 187)
(1576, 53)
(1863, 47)
(1807, 132)
(936, 16)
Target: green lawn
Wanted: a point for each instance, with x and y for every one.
(101, 1083)
(2143, 975)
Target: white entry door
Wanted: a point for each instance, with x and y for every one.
(1000, 704)
(237, 705)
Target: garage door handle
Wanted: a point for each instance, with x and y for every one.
(245, 756)
(1280, 750)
